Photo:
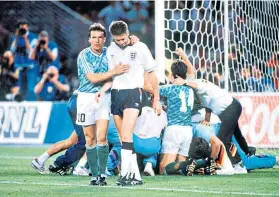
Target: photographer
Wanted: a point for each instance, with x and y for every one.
(8, 75)
(21, 46)
(45, 52)
(52, 86)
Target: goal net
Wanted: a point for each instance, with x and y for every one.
(234, 44)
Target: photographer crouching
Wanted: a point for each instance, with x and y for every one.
(21, 46)
(8, 77)
(52, 86)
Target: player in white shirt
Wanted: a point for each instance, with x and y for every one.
(218, 101)
(92, 115)
(126, 94)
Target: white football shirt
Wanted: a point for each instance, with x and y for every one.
(212, 96)
(140, 59)
(149, 124)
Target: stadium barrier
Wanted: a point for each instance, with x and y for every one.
(259, 121)
(47, 122)
(34, 122)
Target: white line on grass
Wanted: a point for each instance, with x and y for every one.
(19, 157)
(142, 188)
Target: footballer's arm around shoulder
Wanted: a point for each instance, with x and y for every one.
(98, 77)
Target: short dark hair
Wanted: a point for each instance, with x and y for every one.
(199, 148)
(118, 28)
(96, 27)
(22, 21)
(179, 68)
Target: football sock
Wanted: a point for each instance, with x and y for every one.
(172, 168)
(82, 162)
(126, 154)
(102, 152)
(92, 159)
(200, 163)
(175, 167)
(43, 158)
(134, 167)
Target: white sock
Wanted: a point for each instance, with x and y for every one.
(43, 158)
(134, 167)
(125, 161)
(82, 162)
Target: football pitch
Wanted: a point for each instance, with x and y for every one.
(17, 178)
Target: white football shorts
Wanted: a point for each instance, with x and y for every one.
(89, 110)
(177, 140)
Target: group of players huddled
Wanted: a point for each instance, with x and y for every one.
(197, 132)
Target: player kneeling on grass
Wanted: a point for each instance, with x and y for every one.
(221, 103)
(178, 134)
(202, 156)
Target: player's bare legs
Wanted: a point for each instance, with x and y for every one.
(172, 163)
(130, 116)
(166, 158)
(63, 145)
(39, 162)
(181, 158)
(118, 122)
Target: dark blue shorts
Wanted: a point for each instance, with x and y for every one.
(123, 99)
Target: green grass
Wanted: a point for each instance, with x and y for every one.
(17, 178)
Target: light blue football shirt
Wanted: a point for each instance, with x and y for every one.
(179, 104)
(89, 62)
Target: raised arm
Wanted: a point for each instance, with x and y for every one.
(181, 53)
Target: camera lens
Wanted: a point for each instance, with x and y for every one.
(21, 31)
(42, 42)
(51, 75)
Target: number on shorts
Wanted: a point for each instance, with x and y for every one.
(182, 96)
(81, 117)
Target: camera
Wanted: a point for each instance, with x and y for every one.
(21, 31)
(4, 62)
(42, 42)
(50, 75)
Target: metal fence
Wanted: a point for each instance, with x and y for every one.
(65, 26)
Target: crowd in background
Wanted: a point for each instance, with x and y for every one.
(253, 52)
(196, 26)
(37, 68)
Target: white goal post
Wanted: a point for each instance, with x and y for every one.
(234, 44)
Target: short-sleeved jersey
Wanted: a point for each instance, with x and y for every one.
(179, 104)
(21, 54)
(89, 62)
(42, 58)
(140, 59)
(212, 96)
